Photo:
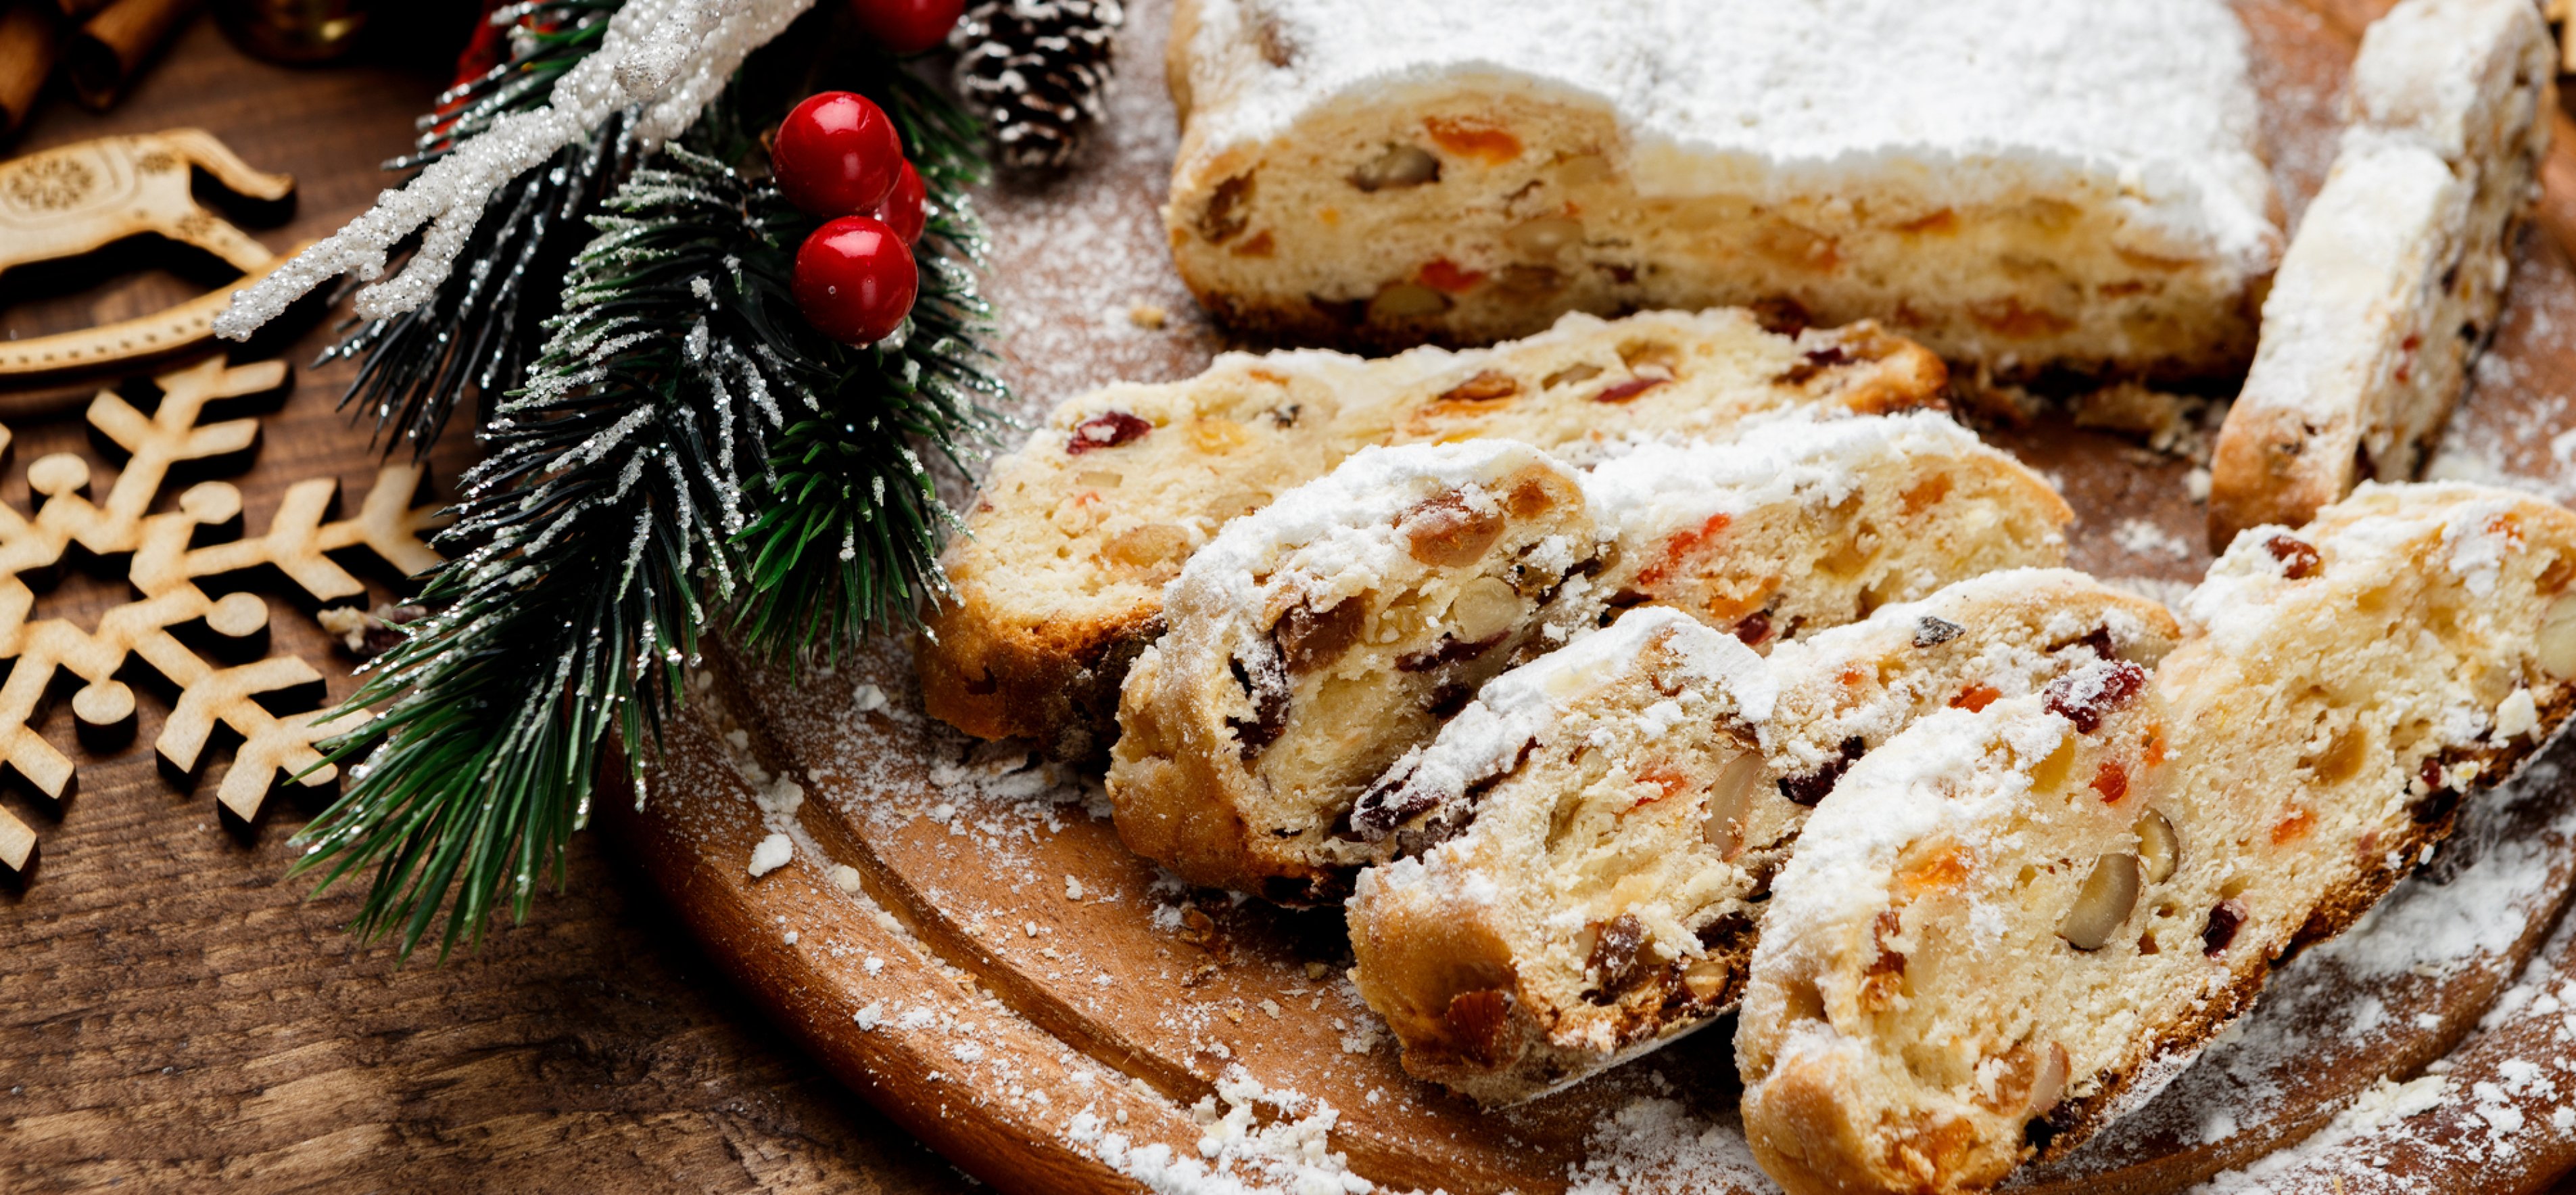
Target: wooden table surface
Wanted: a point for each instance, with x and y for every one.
(174, 1011)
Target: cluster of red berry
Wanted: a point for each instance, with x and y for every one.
(838, 157)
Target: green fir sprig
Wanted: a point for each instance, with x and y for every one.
(478, 333)
(686, 453)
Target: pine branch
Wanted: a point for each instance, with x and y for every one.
(476, 334)
(686, 448)
(849, 538)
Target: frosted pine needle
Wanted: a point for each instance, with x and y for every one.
(641, 66)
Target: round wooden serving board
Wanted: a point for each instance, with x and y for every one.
(962, 938)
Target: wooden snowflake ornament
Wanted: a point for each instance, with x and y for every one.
(169, 554)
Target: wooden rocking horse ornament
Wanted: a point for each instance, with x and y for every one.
(74, 199)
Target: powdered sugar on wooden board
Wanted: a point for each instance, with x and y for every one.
(1023, 882)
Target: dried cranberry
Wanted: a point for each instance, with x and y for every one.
(1781, 316)
(1106, 430)
(2438, 803)
(2082, 697)
(1754, 629)
(1451, 697)
(2298, 557)
(1808, 789)
(1619, 392)
(2224, 920)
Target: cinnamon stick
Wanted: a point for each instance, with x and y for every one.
(29, 40)
(111, 49)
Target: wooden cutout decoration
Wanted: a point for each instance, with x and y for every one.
(169, 555)
(78, 198)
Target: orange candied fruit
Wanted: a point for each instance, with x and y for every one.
(1943, 870)
(2293, 826)
(1680, 548)
(1488, 144)
(1975, 698)
(1666, 779)
(1441, 274)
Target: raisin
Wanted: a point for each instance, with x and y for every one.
(1808, 789)
(2083, 697)
(1448, 650)
(1309, 640)
(1448, 699)
(1108, 429)
(1486, 386)
(1781, 316)
(2112, 781)
(1617, 954)
(2099, 639)
(1224, 216)
(2225, 919)
(2298, 557)
(1266, 684)
(1444, 532)
(1932, 632)
(1754, 628)
(1482, 1020)
(1817, 362)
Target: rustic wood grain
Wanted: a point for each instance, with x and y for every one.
(174, 1014)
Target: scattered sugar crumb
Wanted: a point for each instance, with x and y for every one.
(1149, 316)
(1072, 888)
(845, 878)
(772, 854)
(2144, 538)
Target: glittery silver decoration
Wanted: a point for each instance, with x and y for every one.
(665, 58)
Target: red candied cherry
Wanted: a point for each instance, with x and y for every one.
(836, 155)
(908, 26)
(855, 280)
(902, 208)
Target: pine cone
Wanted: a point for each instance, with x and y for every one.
(1034, 69)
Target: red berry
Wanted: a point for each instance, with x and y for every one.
(836, 155)
(909, 26)
(902, 207)
(855, 280)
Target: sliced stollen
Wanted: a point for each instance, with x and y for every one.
(1237, 774)
(1797, 523)
(2398, 271)
(1311, 643)
(1059, 577)
(1978, 172)
(1594, 858)
(2001, 930)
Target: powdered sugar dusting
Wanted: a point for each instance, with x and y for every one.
(1971, 99)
